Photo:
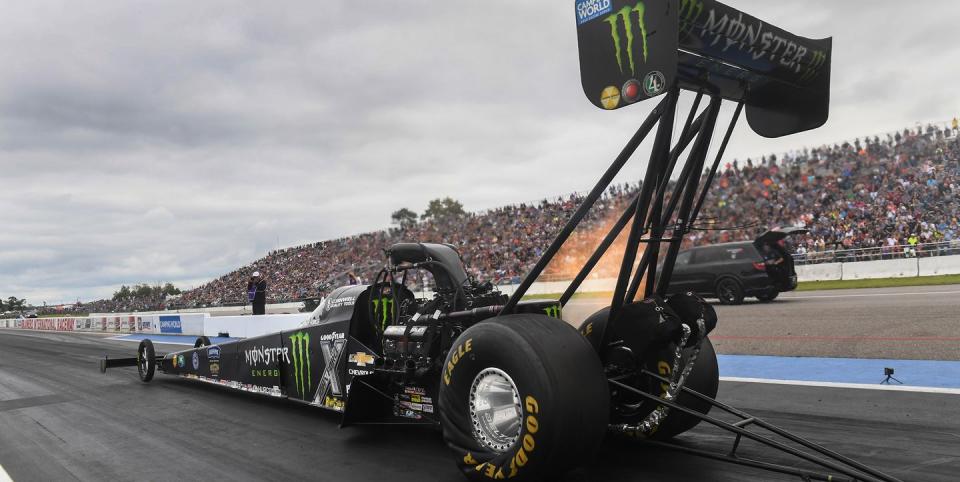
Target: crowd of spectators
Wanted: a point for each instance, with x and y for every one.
(883, 193)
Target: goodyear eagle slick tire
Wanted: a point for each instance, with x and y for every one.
(522, 397)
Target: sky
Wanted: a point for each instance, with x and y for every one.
(157, 141)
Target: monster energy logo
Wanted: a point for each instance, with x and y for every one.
(816, 61)
(301, 362)
(553, 311)
(625, 16)
(387, 309)
(690, 10)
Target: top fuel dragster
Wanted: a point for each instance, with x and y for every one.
(517, 392)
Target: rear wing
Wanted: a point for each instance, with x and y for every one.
(632, 50)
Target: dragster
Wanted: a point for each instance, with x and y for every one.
(517, 392)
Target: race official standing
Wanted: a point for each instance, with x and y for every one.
(257, 293)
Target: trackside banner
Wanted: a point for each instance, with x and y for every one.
(180, 324)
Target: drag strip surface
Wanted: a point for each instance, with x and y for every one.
(911, 323)
(60, 419)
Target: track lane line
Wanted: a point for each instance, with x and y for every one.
(867, 295)
(860, 386)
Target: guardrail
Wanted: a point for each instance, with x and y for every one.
(900, 251)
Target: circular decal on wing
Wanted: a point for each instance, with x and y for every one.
(610, 97)
(654, 83)
(631, 91)
(196, 361)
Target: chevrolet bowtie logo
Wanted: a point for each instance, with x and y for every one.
(361, 359)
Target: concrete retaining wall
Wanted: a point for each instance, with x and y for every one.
(887, 268)
(820, 272)
(939, 265)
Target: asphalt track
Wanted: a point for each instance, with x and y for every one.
(60, 419)
(914, 323)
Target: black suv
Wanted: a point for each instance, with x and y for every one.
(731, 271)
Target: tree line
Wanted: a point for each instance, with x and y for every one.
(144, 291)
(437, 209)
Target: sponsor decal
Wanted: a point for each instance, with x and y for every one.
(213, 360)
(300, 343)
(196, 361)
(170, 324)
(528, 444)
(610, 98)
(653, 83)
(631, 91)
(553, 311)
(180, 362)
(419, 330)
(625, 18)
(265, 372)
(331, 347)
(334, 403)
(588, 10)
(383, 308)
(361, 359)
(265, 356)
(174, 361)
(458, 352)
(342, 301)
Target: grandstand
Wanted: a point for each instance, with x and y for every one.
(879, 195)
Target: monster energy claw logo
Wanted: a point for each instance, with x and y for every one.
(817, 58)
(301, 362)
(387, 309)
(690, 11)
(625, 16)
(553, 311)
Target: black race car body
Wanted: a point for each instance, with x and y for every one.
(372, 354)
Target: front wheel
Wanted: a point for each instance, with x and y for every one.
(522, 397)
(146, 361)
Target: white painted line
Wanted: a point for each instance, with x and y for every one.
(862, 386)
(4, 476)
(123, 338)
(866, 295)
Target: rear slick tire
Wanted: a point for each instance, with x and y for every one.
(522, 397)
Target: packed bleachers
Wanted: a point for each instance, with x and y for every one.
(881, 193)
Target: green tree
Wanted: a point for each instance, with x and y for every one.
(14, 304)
(144, 290)
(445, 208)
(404, 218)
(122, 294)
(168, 289)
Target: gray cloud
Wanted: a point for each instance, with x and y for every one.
(175, 141)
